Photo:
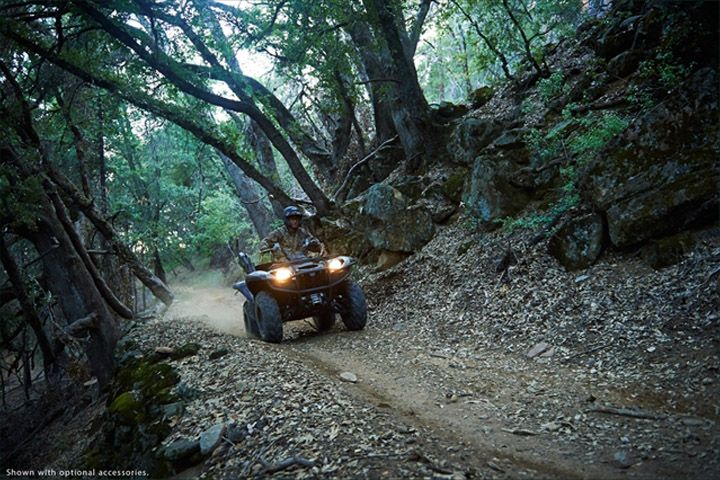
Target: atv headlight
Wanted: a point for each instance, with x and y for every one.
(335, 264)
(281, 274)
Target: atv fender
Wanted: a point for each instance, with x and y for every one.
(243, 288)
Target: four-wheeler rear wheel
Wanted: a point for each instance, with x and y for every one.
(354, 313)
(251, 326)
(267, 315)
(324, 321)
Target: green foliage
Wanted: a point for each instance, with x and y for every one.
(552, 86)
(664, 67)
(219, 222)
(456, 59)
(572, 141)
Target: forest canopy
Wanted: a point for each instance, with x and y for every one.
(142, 135)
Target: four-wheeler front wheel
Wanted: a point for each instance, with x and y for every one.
(251, 326)
(324, 321)
(354, 313)
(269, 321)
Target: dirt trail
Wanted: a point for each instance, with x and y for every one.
(206, 299)
(466, 400)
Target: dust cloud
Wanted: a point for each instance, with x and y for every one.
(204, 297)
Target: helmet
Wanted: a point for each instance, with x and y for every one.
(292, 211)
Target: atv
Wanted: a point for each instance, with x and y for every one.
(301, 287)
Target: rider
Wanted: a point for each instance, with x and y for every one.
(291, 239)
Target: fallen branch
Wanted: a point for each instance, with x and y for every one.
(591, 350)
(287, 463)
(81, 325)
(626, 412)
(360, 163)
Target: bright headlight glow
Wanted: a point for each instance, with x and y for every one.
(282, 274)
(334, 264)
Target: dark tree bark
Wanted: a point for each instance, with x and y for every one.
(377, 82)
(32, 318)
(251, 198)
(77, 295)
(409, 107)
(265, 159)
(86, 205)
(158, 266)
(62, 215)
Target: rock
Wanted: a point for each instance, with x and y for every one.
(339, 237)
(622, 459)
(659, 177)
(667, 251)
(513, 138)
(348, 377)
(388, 259)
(491, 194)
(548, 353)
(578, 243)
(449, 110)
(180, 449)
(480, 96)
(220, 352)
(127, 405)
(551, 426)
(210, 438)
(174, 409)
(582, 278)
(187, 350)
(470, 137)
(624, 64)
(164, 351)
(537, 349)
(392, 223)
(452, 188)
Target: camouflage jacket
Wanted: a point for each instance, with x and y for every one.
(292, 243)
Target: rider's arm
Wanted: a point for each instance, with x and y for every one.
(313, 244)
(268, 242)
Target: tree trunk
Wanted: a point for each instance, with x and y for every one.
(265, 159)
(77, 295)
(409, 107)
(30, 314)
(157, 286)
(62, 215)
(251, 198)
(157, 263)
(376, 81)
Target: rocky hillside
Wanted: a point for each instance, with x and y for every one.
(615, 151)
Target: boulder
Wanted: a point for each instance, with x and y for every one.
(388, 259)
(513, 138)
(180, 450)
(659, 176)
(667, 251)
(187, 350)
(392, 224)
(578, 243)
(624, 64)
(480, 96)
(471, 136)
(491, 194)
(220, 352)
(449, 110)
(339, 237)
(210, 438)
